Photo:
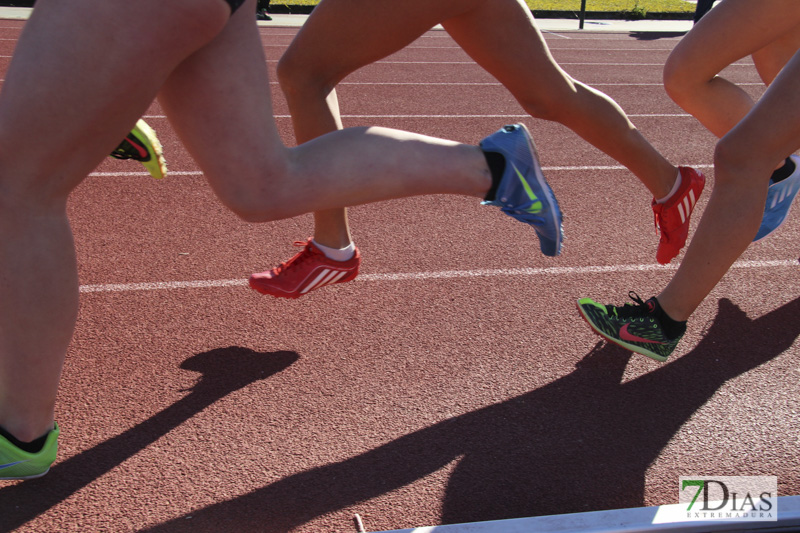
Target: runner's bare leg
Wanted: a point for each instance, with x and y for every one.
(56, 125)
(324, 52)
(753, 148)
(728, 33)
(218, 103)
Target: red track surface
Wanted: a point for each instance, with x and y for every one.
(444, 395)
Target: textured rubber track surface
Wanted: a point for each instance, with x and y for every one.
(453, 381)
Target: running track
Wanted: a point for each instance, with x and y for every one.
(453, 381)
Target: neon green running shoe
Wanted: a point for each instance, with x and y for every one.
(19, 464)
(142, 145)
(634, 327)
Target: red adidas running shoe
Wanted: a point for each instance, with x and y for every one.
(672, 217)
(308, 270)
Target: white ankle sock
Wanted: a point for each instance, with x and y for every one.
(673, 191)
(337, 254)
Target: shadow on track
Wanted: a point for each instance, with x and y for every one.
(656, 35)
(550, 451)
(223, 371)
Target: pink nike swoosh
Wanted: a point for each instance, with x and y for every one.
(134, 142)
(626, 336)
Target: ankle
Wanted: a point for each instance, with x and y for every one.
(345, 253)
(673, 328)
(673, 189)
(31, 446)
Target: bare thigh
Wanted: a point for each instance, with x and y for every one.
(342, 36)
(772, 58)
(729, 32)
(68, 68)
(503, 38)
(772, 129)
(219, 102)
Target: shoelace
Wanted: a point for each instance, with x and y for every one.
(126, 151)
(657, 223)
(629, 310)
(297, 259)
(123, 151)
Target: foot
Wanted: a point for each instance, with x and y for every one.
(142, 145)
(672, 217)
(308, 270)
(19, 464)
(779, 200)
(634, 327)
(523, 192)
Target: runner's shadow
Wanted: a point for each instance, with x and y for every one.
(553, 450)
(223, 371)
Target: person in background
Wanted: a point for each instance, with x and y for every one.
(703, 7)
(262, 10)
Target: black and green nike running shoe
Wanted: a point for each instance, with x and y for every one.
(635, 327)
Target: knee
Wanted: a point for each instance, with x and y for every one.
(553, 106)
(725, 159)
(204, 21)
(183, 26)
(563, 101)
(736, 164)
(262, 196)
(678, 80)
(298, 80)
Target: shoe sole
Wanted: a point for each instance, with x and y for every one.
(22, 478)
(618, 342)
(555, 209)
(268, 291)
(156, 166)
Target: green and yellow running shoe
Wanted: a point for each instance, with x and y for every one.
(634, 327)
(19, 464)
(142, 145)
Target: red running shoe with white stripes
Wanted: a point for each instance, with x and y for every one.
(672, 217)
(306, 271)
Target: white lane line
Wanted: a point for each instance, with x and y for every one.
(498, 84)
(565, 63)
(522, 115)
(413, 276)
(545, 169)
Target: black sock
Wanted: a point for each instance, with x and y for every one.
(672, 327)
(784, 172)
(497, 165)
(30, 447)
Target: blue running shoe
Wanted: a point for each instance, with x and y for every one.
(779, 200)
(523, 192)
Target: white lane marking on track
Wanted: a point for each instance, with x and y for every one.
(522, 115)
(497, 83)
(402, 276)
(505, 115)
(587, 64)
(634, 115)
(545, 169)
(554, 34)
